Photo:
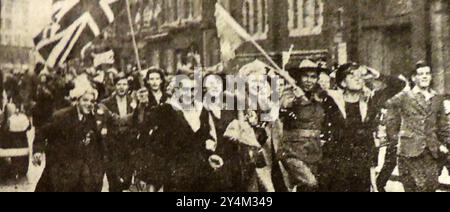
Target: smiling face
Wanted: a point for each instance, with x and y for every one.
(324, 81)
(86, 103)
(213, 85)
(258, 85)
(309, 81)
(354, 81)
(423, 77)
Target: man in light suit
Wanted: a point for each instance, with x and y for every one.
(417, 120)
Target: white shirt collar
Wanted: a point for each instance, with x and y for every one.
(192, 116)
(215, 109)
(122, 105)
(158, 96)
(80, 114)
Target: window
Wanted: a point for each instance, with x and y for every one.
(182, 10)
(7, 24)
(156, 58)
(152, 13)
(170, 61)
(255, 21)
(305, 17)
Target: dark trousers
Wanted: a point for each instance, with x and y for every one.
(120, 163)
(388, 168)
(19, 165)
(345, 176)
(420, 174)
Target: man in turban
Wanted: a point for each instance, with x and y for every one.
(73, 146)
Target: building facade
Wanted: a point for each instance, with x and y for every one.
(170, 30)
(167, 31)
(397, 34)
(20, 21)
(317, 29)
(389, 35)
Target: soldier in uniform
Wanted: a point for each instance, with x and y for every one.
(120, 140)
(73, 147)
(417, 120)
(303, 122)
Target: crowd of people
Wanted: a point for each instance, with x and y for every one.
(146, 131)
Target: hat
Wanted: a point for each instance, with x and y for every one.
(82, 86)
(344, 70)
(256, 67)
(306, 66)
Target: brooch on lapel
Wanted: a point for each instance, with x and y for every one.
(104, 132)
(133, 105)
(88, 138)
(100, 112)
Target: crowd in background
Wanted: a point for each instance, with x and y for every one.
(324, 135)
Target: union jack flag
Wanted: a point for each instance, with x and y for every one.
(75, 23)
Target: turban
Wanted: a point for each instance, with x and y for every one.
(254, 68)
(82, 86)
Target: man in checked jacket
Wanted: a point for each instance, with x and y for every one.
(417, 120)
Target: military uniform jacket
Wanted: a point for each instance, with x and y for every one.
(303, 124)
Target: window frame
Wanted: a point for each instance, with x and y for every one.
(253, 18)
(314, 22)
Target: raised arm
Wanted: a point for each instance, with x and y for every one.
(393, 118)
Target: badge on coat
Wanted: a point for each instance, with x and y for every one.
(133, 105)
(447, 107)
(88, 139)
(104, 132)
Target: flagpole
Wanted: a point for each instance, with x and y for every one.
(280, 71)
(289, 57)
(133, 37)
(244, 34)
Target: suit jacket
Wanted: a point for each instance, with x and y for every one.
(417, 124)
(74, 153)
(114, 123)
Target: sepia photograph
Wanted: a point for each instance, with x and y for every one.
(225, 96)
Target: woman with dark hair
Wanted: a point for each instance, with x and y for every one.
(155, 82)
(349, 153)
(144, 119)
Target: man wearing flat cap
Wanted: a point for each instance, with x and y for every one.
(73, 147)
(303, 120)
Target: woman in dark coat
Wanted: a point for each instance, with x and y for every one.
(350, 153)
(73, 147)
(145, 121)
(180, 155)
